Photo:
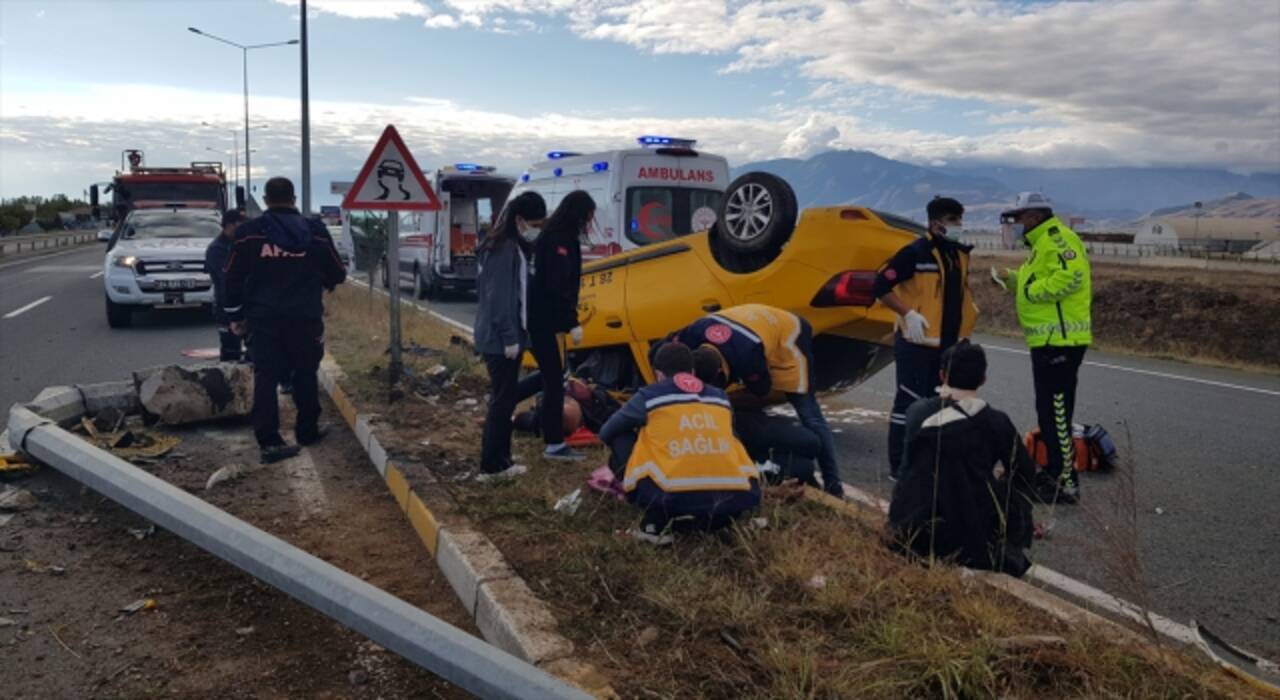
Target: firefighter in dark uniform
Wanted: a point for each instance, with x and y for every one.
(280, 265)
(927, 284)
(230, 345)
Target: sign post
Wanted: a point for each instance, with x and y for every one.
(391, 181)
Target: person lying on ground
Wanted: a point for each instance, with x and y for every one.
(781, 447)
(966, 477)
(586, 406)
(673, 447)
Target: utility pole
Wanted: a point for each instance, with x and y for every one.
(306, 121)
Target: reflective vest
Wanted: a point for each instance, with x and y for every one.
(924, 291)
(687, 442)
(1053, 288)
(776, 331)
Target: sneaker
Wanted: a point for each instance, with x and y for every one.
(1049, 490)
(508, 473)
(563, 453)
(278, 453)
(649, 534)
(1070, 488)
(316, 436)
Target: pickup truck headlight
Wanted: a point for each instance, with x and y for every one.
(124, 261)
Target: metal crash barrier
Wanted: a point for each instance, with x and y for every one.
(12, 245)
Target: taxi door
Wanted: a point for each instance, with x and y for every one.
(602, 303)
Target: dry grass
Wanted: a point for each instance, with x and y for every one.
(814, 606)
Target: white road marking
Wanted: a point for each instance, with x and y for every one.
(27, 308)
(63, 268)
(96, 275)
(1152, 373)
(28, 261)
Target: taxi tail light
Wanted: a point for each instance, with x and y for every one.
(849, 288)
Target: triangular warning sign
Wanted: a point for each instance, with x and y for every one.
(391, 179)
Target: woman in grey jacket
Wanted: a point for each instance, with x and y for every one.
(501, 320)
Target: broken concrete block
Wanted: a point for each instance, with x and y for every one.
(14, 499)
(179, 395)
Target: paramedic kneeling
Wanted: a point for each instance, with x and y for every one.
(679, 460)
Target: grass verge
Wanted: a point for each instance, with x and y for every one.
(814, 606)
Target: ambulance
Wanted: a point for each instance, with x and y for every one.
(661, 190)
(438, 248)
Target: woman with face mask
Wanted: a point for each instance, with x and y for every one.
(501, 323)
(553, 309)
(927, 284)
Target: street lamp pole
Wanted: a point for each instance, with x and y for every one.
(244, 54)
(306, 120)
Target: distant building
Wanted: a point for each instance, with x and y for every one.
(1232, 235)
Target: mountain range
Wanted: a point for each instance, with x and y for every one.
(1105, 197)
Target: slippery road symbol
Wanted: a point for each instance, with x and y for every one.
(391, 169)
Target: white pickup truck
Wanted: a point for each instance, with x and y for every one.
(155, 259)
(438, 249)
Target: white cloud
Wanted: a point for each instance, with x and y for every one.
(442, 22)
(365, 9)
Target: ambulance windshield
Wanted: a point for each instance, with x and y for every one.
(656, 214)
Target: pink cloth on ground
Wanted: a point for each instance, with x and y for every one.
(603, 480)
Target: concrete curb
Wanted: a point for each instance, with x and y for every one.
(504, 608)
(1058, 593)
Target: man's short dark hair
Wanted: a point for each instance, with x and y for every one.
(673, 358)
(278, 190)
(964, 365)
(940, 208)
(232, 216)
(708, 365)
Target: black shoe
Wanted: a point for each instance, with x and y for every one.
(277, 453)
(314, 437)
(286, 388)
(1049, 490)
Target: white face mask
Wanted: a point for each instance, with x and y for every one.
(531, 233)
(1017, 230)
(952, 231)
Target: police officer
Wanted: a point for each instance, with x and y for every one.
(927, 284)
(673, 446)
(769, 349)
(1053, 292)
(230, 345)
(279, 266)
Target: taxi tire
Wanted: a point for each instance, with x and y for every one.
(119, 315)
(762, 188)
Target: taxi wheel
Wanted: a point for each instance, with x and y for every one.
(757, 214)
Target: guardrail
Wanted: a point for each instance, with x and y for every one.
(1132, 250)
(12, 245)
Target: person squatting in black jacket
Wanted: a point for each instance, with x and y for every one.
(553, 309)
(280, 265)
(230, 345)
(967, 481)
(501, 318)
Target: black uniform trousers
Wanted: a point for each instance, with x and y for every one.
(1055, 371)
(230, 345)
(280, 348)
(545, 346)
(504, 386)
(917, 374)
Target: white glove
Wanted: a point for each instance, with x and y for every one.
(913, 325)
(998, 279)
(511, 352)
(576, 335)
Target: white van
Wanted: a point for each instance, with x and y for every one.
(438, 249)
(659, 191)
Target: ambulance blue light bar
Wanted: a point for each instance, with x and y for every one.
(600, 167)
(557, 155)
(468, 167)
(648, 141)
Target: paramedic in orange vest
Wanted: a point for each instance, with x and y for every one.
(927, 284)
(673, 447)
(768, 349)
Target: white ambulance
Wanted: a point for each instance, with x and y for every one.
(659, 191)
(438, 249)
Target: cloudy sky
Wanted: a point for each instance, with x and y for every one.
(1120, 82)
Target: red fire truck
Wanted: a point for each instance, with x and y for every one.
(202, 185)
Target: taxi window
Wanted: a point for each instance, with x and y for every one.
(657, 214)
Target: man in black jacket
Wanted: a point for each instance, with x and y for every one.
(966, 481)
(230, 345)
(279, 267)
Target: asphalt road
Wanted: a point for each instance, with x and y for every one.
(1203, 441)
(66, 340)
(1206, 479)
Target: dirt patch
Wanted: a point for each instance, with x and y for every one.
(1213, 317)
(214, 632)
(813, 606)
